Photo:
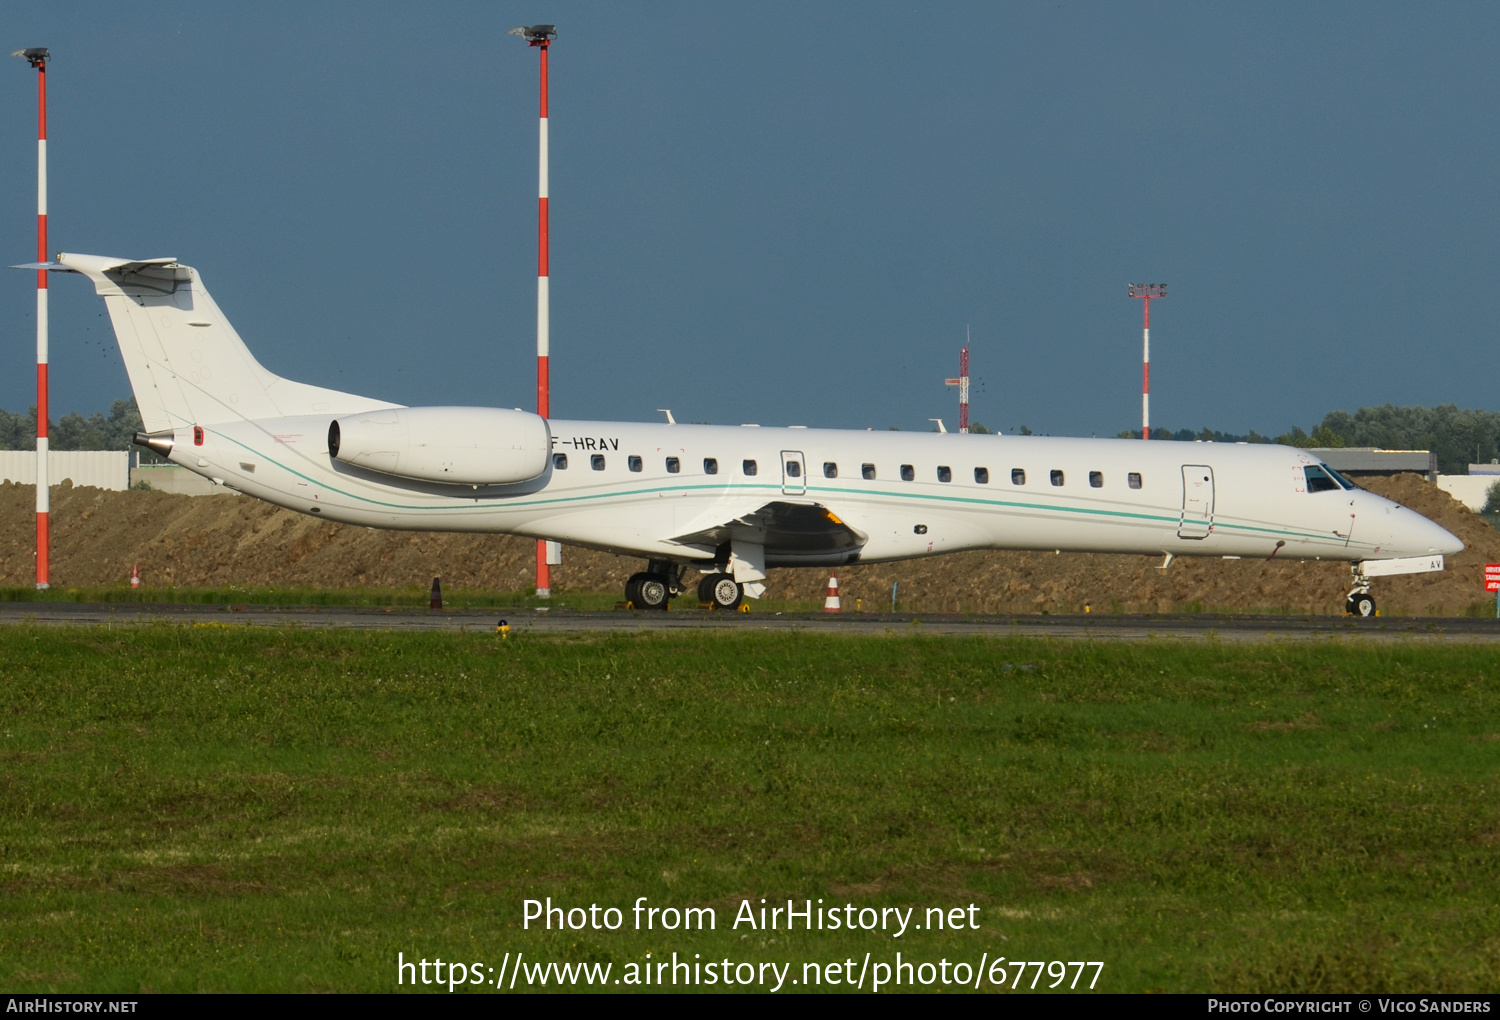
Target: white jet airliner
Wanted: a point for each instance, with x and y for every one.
(729, 501)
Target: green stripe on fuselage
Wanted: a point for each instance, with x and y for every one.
(769, 489)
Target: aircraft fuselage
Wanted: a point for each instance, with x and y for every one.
(648, 489)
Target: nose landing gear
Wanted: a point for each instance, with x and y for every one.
(1360, 602)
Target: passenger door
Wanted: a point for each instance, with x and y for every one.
(1197, 501)
(793, 473)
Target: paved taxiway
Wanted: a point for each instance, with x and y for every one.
(525, 621)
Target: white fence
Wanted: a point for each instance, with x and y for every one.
(102, 469)
(1470, 490)
(171, 478)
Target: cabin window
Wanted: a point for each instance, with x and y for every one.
(197, 435)
(1096, 479)
(634, 463)
(830, 469)
(560, 461)
(908, 472)
(749, 467)
(597, 462)
(710, 466)
(868, 470)
(1318, 480)
(793, 469)
(982, 476)
(1018, 476)
(945, 473)
(1133, 479)
(673, 465)
(1057, 476)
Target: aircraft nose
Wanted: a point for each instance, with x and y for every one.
(1445, 541)
(1424, 537)
(1407, 533)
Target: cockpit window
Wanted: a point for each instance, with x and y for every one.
(1318, 480)
(1338, 477)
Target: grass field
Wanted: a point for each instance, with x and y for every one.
(212, 808)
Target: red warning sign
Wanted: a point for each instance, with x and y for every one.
(1492, 577)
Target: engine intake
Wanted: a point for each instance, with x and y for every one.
(461, 445)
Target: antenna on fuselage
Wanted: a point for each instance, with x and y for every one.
(668, 412)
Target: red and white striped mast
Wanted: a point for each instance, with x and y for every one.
(962, 382)
(1146, 292)
(541, 37)
(38, 58)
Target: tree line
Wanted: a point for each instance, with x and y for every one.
(1459, 437)
(73, 431)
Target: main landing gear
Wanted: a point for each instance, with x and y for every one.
(661, 582)
(720, 591)
(654, 587)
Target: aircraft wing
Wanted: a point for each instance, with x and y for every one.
(784, 529)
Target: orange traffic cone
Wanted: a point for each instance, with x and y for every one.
(135, 576)
(435, 600)
(831, 604)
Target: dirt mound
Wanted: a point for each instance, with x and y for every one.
(213, 541)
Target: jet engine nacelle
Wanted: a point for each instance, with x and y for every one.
(462, 445)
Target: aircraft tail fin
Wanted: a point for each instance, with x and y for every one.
(187, 365)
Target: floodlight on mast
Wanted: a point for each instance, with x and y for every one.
(541, 37)
(1147, 292)
(37, 57)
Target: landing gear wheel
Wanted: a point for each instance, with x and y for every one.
(1360, 604)
(652, 592)
(720, 591)
(633, 588)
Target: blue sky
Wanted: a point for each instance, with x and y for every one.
(786, 214)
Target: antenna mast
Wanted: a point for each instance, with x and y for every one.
(962, 382)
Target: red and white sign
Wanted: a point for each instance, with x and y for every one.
(1492, 577)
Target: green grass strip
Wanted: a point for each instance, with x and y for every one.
(221, 808)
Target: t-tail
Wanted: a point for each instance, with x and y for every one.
(187, 365)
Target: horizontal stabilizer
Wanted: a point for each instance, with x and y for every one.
(100, 263)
